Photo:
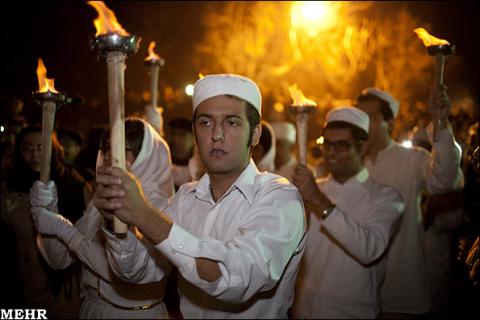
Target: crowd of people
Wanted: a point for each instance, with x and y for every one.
(224, 222)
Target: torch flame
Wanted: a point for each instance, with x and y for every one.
(429, 40)
(151, 54)
(298, 98)
(106, 21)
(44, 84)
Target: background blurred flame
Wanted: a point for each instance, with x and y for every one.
(298, 98)
(151, 54)
(429, 40)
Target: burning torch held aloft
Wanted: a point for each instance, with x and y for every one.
(301, 108)
(50, 99)
(115, 44)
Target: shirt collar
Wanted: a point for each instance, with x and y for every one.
(359, 178)
(245, 183)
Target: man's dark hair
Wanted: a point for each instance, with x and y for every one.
(181, 123)
(359, 135)
(134, 132)
(253, 117)
(73, 134)
(384, 106)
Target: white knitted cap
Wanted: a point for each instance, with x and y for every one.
(385, 96)
(284, 130)
(351, 115)
(227, 83)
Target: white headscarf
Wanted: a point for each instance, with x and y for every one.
(152, 167)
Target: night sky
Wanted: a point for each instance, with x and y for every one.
(59, 33)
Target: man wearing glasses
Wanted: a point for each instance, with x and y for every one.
(352, 218)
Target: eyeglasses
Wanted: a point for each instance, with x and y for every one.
(28, 147)
(340, 146)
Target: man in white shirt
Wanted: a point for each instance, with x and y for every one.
(406, 290)
(236, 235)
(352, 219)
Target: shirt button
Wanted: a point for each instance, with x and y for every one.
(180, 246)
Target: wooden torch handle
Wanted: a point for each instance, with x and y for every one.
(302, 129)
(116, 107)
(48, 116)
(438, 81)
(154, 84)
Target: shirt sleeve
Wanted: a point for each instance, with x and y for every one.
(367, 240)
(443, 172)
(133, 260)
(256, 257)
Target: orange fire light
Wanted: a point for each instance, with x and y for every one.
(151, 53)
(44, 84)
(299, 99)
(106, 21)
(429, 40)
(200, 75)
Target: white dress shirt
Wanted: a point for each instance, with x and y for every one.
(255, 232)
(343, 265)
(411, 171)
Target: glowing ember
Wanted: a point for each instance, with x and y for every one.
(201, 76)
(106, 21)
(151, 54)
(44, 84)
(299, 99)
(429, 40)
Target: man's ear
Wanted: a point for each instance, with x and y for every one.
(390, 124)
(257, 132)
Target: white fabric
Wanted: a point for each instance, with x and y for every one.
(385, 96)
(285, 130)
(351, 115)
(267, 163)
(44, 195)
(227, 83)
(411, 171)
(256, 234)
(153, 162)
(154, 116)
(341, 271)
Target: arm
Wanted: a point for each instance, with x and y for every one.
(442, 172)
(366, 240)
(253, 261)
(255, 257)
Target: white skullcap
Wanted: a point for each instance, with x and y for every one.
(385, 96)
(284, 130)
(227, 83)
(351, 115)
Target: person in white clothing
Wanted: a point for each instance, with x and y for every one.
(285, 138)
(103, 294)
(349, 228)
(264, 152)
(236, 235)
(406, 291)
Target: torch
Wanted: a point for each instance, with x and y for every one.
(155, 62)
(50, 99)
(115, 44)
(301, 108)
(440, 49)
